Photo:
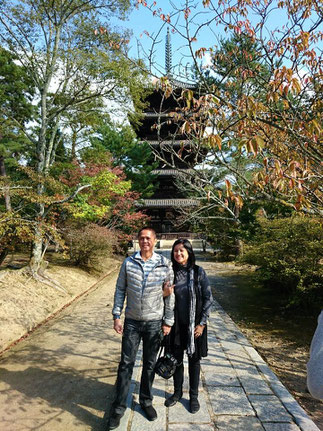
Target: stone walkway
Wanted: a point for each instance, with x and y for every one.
(238, 391)
(62, 377)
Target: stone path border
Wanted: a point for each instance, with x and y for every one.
(238, 391)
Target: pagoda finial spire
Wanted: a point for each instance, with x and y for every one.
(168, 54)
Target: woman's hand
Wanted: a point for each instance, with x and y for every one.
(166, 329)
(198, 331)
(168, 289)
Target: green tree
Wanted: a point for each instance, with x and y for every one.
(59, 50)
(16, 109)
(239, 68)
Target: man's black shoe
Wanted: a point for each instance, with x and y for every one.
(194, 405)
(114, 421)
(150, 412)
(172, 400)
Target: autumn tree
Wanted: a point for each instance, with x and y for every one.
(58, 49)
(109, 202)
(136, 159)
(260, 101)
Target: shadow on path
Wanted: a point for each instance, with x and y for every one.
(62, 377)
(77, 394)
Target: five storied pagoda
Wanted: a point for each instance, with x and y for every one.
(159, 129)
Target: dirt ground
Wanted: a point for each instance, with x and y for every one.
(61, 378)
(25, 302)
(283, 342)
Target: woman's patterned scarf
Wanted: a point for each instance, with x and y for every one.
(191, 326)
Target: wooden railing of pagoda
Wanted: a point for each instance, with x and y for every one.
(176, 235)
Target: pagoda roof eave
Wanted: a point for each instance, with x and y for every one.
(171, 172)
(175, 83)
(167, 203)
(165, 142)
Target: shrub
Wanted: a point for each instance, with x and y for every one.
(14, 233)
(88, 244)
(288, 252)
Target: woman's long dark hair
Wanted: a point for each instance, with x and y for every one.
(191, 256)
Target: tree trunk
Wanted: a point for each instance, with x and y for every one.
(36, 251)
(3, 255)
(6, 189)
(4, 251)
(240, 247)
(73, 149)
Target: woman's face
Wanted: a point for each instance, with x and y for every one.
(181, 254)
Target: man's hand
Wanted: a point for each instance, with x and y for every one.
(117, 326)
(198, 331)
(166, 329)
(168, 288)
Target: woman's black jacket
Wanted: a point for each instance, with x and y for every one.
(204, 302)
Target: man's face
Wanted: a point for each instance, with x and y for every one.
(147, 241)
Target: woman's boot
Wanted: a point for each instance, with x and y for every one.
(194, 376)
(178, 386)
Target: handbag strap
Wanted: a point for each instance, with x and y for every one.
(165, 346)
(162, 347)
(166, 343)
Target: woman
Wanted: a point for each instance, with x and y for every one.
(193, 300)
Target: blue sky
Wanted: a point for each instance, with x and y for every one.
(142, 20)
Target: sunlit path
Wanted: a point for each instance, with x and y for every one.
(62, 378)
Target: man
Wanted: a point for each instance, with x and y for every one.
(148, 314)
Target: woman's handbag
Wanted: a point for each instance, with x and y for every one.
(166, 363)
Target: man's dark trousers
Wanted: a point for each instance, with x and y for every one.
(134, 331)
